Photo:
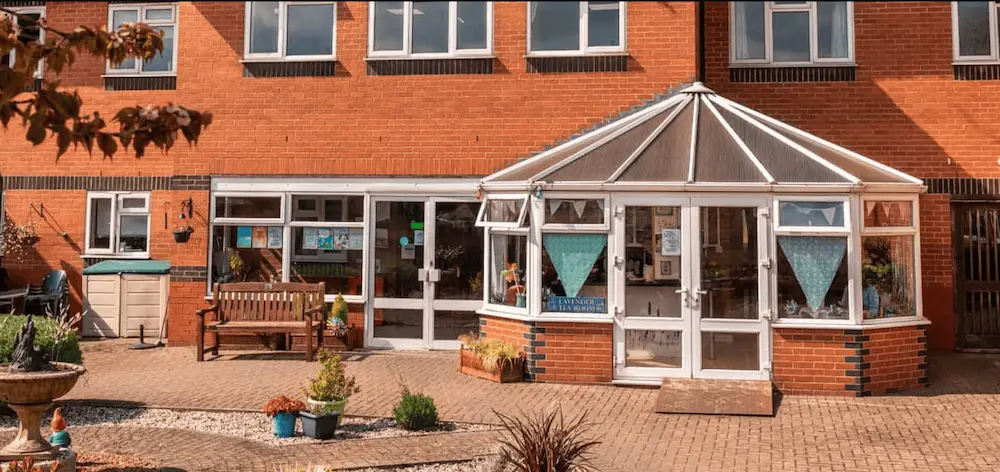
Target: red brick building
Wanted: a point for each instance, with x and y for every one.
(342, 128)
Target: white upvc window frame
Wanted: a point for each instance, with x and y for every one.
(228, 220)
(488, 305)
(912, 231)
(343, 223)
(994, 38)
(814, 60)
(584, 49)
(141, 9)
(39, 10)
(407, 51)
(519, 223)
(847, 231)
(281, 55)
(116, 213)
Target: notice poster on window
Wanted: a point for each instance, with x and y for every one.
(408, 252)
(325, 239)
(340, 239)
(274, 237)
(382, 238)
(418, 237)
(356, 239)
(259, 237)
(310, 238)
(670, 242)
(244, 237)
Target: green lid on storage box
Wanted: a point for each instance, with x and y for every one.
(125, 266)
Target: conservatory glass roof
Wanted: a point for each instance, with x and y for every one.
(697, 137)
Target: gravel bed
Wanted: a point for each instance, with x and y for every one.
(253, 426)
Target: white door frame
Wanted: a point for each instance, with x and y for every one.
(690, 322)
(444, 305)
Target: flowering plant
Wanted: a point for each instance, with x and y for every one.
(17, 239)
(283, 404)
(512, 275)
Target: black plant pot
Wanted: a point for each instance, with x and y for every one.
(182, 235)
(319, 426)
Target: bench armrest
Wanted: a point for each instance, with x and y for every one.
(315, 309)
(202, 312)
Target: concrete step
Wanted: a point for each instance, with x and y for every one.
(716, 397)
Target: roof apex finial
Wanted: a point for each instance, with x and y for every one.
(698, 87)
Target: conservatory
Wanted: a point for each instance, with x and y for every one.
(700, 238)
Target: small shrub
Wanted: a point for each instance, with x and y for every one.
(331, 384)
(283, 404)
(415, 411)
(493, 353)
(67, 350)
(544, 442)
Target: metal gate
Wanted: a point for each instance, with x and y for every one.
(976, 237)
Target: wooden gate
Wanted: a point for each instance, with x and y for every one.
(976, 238)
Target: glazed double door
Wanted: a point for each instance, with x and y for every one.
(691, 282)
(427, 264)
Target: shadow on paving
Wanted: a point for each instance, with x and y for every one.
(960, 373)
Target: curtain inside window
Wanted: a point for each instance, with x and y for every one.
(748, 30)
(573, 256)
(815, 261)
(833, 35)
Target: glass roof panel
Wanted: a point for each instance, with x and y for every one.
(533, 168)
(783, 162)
(668, 157)
(718, 157)
(599, 164)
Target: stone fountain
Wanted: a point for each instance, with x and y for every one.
(28, 385)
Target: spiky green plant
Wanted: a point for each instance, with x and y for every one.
(545, 442)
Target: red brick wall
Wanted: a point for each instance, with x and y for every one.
(849, 362)
(504, 329)
(574, 352)
(937, 267)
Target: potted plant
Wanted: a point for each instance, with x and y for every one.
(183, 234)
(320, 422)
(329, 390)
(284, 411)
(513, 276)
(490, 359)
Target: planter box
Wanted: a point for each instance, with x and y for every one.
(469, 363)
(319, 426)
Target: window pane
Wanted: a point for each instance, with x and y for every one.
(449, 325)
(245, 254)
(883, 214)
(310, 30)
(791, 36)
(603, 24)
(164, 61)
(748, 25)
(264, 27)
(508, 261)
(503, 211)
(555, 26)
(574, 273)
(132, 203)
(334, 256)
(729, 263)
(133, 231)
(154, 14)
(831, 18)
(459, 251)
(472, 24)
(399, 254)
(339, 208)
(388, 26)
(100, 223)
(648, 348)
(974, 28)
(812, 277)
(430, 27)
(28, 32)
(811, 214)
(405, 324)
(248, 207)
(590, 212)
(888, 277)
(730, 351)
(652, 272)
(118, 17)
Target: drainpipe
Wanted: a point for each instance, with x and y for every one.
(700, 32)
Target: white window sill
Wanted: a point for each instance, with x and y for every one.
(552, 317)
(779, 65)
(140, 256)
(161, 74)
(557, 54)
(976, 62)
(270, 60)
(427, 58)
(903, 322)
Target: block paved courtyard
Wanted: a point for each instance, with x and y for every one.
(954, 425)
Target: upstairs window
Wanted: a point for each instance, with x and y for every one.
(290, 31)
(430, 29)
(159, 16)
(575, 28)
(791, 32)
(118, 224)
(28, 32)
(974, 31)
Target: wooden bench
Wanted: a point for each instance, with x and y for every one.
(252, 308)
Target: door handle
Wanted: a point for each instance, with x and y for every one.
(422, 275)
(434, 275)
(697, 296)
(684, 295)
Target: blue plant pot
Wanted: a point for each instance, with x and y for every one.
(284, 425)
